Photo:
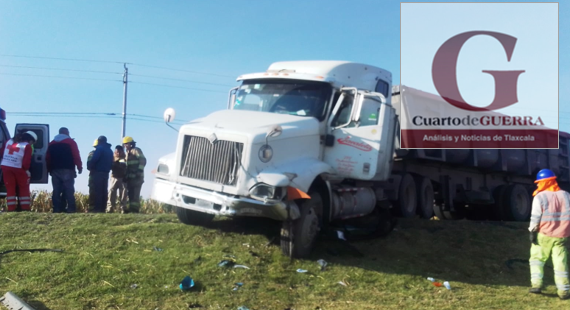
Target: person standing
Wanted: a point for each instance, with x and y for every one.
(16, 161)
(135, 173)
(118, 173)
(99, 167)
(62, 158)
(90, 180)
(549, 231)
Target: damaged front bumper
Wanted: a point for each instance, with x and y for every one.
(201, 200)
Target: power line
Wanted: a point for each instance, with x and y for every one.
(164, 85)
(181, 70)
(59, 69)
(67, 59)
(183, 80)
(60, 77)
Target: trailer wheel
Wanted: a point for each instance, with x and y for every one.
(298, 237)
(425, 197)
(517, 203)
(191, 217)
(406, 205)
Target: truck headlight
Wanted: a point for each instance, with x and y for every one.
(263, 191)
(265, 153)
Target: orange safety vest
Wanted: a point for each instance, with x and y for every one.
(555, 219)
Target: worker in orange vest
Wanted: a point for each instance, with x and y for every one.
(549, 232)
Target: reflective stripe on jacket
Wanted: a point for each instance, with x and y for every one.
(551, 213)
(135, 164)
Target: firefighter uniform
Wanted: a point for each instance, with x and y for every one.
(549, 233)
(135, 173)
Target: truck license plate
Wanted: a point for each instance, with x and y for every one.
(204, 203)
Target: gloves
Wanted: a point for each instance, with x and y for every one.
(533, 237)
(79, 170)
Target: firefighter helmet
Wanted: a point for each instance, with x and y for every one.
(96, 142)
(128, 139)
(544, 174)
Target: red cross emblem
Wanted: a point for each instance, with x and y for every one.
(13, 148)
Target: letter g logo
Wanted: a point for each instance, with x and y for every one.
(444, 72)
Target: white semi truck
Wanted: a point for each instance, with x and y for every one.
(309, 142)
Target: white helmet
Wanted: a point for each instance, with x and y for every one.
(32, 134)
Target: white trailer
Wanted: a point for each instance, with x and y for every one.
(327, 129)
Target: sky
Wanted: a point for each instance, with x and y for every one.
(68, 57)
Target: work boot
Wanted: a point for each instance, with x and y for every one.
(535, 290)
(564, 296)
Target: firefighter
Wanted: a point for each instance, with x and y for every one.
(135, 173)
(90, 182)
(549, 232)
(16, 162)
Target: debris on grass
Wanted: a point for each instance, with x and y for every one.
(340, 235)
(226, 263)
(302, 271)
(187, 283)
(241, 266)
(242, 308)
(323, 263)
(342, 283)
(447, 286)
(157, 249)
(237, 286)
(134, 286)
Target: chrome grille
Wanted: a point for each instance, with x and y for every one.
(216, 162)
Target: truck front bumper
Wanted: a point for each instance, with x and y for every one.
(201, 200)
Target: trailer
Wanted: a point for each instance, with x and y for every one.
(311, 142)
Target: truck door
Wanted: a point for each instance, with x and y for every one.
(38, 168)
(362, 125)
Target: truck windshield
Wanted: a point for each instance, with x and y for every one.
(293, 97)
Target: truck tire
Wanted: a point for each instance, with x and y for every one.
(406, 205)
(298, 237)
(517, 203)
(191, 217)
(425, 197)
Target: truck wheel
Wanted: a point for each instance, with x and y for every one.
(191, 217)
(517, 203)
(425, 197)
(406, 205)
(298, 237)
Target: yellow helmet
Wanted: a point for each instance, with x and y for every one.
(128, 140)
(96, 142)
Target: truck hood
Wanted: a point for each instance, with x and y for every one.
(255, 124)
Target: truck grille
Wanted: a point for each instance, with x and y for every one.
(215, 162)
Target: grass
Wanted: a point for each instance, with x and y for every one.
(105, 254)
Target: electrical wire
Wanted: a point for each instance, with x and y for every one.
(181, 70)
(61, 77)
(183, 80)
(60, 69)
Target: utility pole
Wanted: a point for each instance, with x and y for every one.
(125, 81)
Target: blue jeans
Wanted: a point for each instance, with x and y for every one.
(99, 183)
(63, 182)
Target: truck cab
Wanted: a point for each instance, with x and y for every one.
(38, 169)
(293, 146)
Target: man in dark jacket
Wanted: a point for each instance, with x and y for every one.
(99, 167)
(61, 158)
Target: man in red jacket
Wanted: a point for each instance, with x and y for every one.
(62, 157)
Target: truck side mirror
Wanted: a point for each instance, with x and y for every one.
(169, 115)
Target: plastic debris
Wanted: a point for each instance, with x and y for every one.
(241, 266)
(187, 283)
(340, 235)
(226, 263)
(302, 271)
(134, 286)
(431, 279)
(237, 286)
(157, 249)
(342, 283)
(323, 263)
(447, 286)
(243, 308)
